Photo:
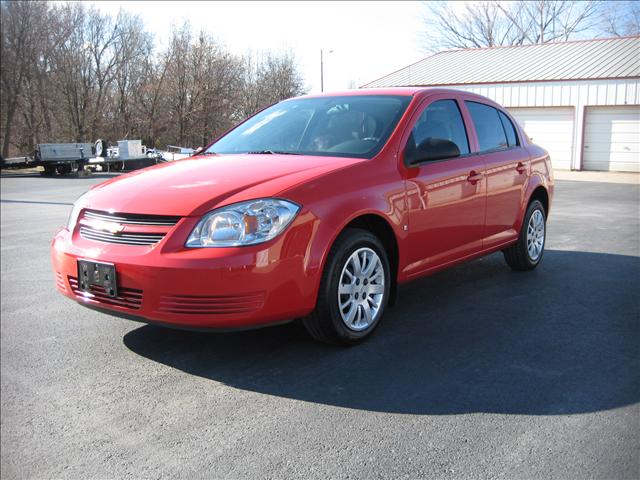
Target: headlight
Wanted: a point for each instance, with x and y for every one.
(75, 212)
(245, 223)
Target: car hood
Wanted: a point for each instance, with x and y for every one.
(198, 184)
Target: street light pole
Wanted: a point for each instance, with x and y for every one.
(321, 73)
(322, 70)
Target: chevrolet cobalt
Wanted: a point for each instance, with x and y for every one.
(315, 208)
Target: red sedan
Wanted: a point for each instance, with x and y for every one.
(317, 208)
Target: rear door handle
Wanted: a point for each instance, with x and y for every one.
(521, 167)
(474, 177)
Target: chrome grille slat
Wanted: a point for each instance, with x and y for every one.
(132, 219)
(121, 238)
(133, 236)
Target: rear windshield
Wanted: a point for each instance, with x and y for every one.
(348, 126)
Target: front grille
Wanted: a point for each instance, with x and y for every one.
(130, 298)
(125, 228)
(121, 238)
(211, 305)
(132, 218)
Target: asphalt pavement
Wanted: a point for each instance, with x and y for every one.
(479, 372)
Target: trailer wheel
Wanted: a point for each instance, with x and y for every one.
(49, 169)
(63, 169)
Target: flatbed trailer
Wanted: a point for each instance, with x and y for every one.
(63, 158)
(18, 163)
(67, 158)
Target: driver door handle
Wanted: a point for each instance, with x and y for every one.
(474, 177)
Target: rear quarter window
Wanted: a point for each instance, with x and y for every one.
(509, 130)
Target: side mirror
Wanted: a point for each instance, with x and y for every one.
(429, 150)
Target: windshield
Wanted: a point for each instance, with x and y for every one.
(349, 126)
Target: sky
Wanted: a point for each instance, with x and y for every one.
(361, 41)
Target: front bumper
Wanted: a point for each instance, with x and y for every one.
(201, 288)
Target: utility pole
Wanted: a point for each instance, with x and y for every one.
(321, 73)
(322, 69)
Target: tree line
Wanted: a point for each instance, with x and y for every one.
(70, 73)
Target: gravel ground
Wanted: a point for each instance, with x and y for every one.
(479, 372)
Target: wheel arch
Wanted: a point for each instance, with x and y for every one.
(375, 223)
(380, 227)
(540, 193)
(537, 189)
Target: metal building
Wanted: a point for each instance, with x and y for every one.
(580, 100)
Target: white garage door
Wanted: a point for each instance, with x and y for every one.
(612, 139)
(552, 129)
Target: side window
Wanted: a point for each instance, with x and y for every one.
(489, 127)
(509, 129)
(442, 119)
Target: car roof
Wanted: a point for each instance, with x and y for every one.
(399, 91)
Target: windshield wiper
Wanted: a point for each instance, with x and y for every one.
(271, 152)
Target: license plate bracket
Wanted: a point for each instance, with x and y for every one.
(97, 274)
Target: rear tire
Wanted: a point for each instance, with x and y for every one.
(527, 252)
(354, 290)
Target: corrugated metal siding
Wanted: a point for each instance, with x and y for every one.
(590, 59)
(560, 94)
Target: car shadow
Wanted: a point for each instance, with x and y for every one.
(562, 339)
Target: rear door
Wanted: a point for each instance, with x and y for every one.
(507, 167)
(446, 198)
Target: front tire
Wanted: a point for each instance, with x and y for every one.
(354, 290)
(527, 252)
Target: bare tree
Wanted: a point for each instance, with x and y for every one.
(132, 55)
(178, 83)
(544, 21)
(16, 51)
(622, 20)
(75, 75)
(201, 85)
(479, 24)
(494, 23)
(269, 78)
(71, 73)
(217, 80)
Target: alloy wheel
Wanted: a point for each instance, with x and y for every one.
(535, 235)
(361, 289)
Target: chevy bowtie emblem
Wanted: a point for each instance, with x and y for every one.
(111, 227)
